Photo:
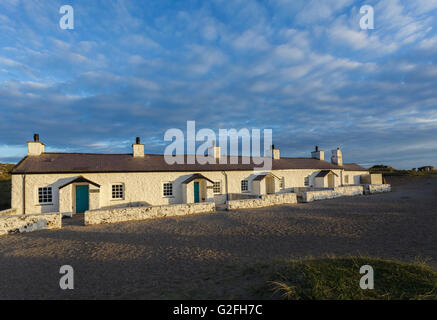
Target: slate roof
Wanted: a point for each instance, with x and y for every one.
(196, 176)
(80, 179)
(99, 163)
(324, 173)
(261, 177)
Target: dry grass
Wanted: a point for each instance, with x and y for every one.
(5, 185)
(5, 169)
(338, 279)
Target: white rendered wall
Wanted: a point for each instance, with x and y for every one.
(143, 188)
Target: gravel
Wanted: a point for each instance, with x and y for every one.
(194, 256)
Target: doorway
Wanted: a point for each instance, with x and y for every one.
(270, 184)
(82, 198)
(196, 192)
(331, 180)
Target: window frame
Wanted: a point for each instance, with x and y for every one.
(247, 185)
(214, 190)
(306, 181)
(282, 183)
(122, 191)
(49, 196)
(164, 184)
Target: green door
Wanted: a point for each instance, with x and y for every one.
(82, 199)
(196, 192)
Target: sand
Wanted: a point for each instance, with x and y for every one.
(195, 256)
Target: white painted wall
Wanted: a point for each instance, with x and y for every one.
(143, 188)
(354, 177)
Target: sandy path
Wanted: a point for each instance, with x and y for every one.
(181, 257)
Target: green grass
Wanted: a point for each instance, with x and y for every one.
(339, 278)
(5, 185)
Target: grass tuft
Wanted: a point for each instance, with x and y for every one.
(339, 278)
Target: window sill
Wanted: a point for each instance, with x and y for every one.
(45, 204)
(168, 197)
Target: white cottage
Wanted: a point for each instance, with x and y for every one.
(73, 183)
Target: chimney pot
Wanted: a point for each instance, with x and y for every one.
(35, 147)
(276, 153)
(138, 148)
(337, 157)
(318, 154)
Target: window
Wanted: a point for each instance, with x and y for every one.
(217, 187)
(244, 185)
(307, 182)
(167, 189)
(45, 195)
(117, 191)
(282, 183)
(346, 179)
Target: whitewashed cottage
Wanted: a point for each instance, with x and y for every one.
(73, 183)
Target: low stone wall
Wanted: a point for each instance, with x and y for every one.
(241, 196)
(29, 222)
(264, 201)
(104, 216)
(374, 178)
(337, 192)
(8, 212)
(377, 188)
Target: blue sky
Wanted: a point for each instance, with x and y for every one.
(302, 68)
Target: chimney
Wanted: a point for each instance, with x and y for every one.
(337, 157)
(318, 154)
(275, 153)
(138, 148)
(35, 147)
(214, 151)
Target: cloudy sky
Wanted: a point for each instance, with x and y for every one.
(302, 68)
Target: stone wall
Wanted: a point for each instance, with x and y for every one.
(264, 201)
(140, 187)
(374, 178)
(8, 212)
(377, 188)
(332, 193)
(114, 215)
(29, 223)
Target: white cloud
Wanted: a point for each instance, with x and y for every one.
(319, 11)
(204, 58)
(139, 40)
(286, 52)
(429, 43)
(251, 39)
(424, 6)
(136, 59)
